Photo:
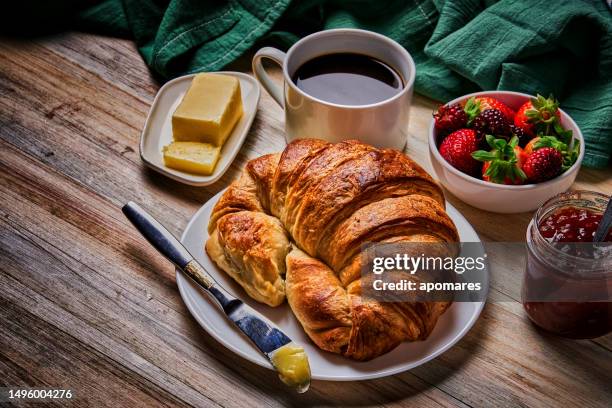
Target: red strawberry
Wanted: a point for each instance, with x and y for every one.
(457, 149)
(487, 102)
(502, 165)
(543, 164)
(522, 121)
(538, 114)
(449, 118)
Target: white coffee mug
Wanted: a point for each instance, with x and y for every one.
(382, 124)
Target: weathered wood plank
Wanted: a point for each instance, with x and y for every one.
(115, 60)
(506, 360)
(61, 361)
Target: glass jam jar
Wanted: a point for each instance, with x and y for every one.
(567, 286)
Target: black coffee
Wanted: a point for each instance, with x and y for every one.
(348, 79)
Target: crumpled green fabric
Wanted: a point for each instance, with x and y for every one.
(459, 46)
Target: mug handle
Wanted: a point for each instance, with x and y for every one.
(262, 76)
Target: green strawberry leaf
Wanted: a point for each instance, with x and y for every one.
(491, 141)
(570, 156)
(484, 156)
(495, 171)
(563, 134)
(566, 136)
(519, 173)
(500, 144)
(548, 105)
(513, 142)
(550, 141)
(558, 127)
(500, 170)
(471, 109)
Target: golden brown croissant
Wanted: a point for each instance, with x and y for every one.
(330, 199)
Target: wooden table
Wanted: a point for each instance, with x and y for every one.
(86, 303)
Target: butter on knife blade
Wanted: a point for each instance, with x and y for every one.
(291, 362)
(289, 359)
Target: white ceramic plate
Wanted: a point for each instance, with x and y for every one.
(158, 128)
(451, 327)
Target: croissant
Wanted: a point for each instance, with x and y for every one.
(293, 226)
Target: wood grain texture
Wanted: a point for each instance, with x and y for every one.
(86, 303)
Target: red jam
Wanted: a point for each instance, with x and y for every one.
(571, 224)
(562, 294)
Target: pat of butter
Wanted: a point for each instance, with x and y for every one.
(209, 110)
(291, 362)
(192, 157)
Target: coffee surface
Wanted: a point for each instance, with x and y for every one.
(348, 79)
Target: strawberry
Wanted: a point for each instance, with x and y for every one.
(457, 149)
(543, 164)
(569, 154)
(538, 115)
(502, 165)
(487, 102)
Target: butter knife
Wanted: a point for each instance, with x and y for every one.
(289, 359)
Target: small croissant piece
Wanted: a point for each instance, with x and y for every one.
(329, 199)
(251, 247)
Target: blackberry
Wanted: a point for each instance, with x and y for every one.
(449, 118)
(492, 122)
(523, 137)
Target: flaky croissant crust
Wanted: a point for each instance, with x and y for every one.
(330, 199)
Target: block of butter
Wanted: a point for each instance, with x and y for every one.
(192, 157)
(209, 110)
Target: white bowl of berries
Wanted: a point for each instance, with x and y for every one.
(505, 152)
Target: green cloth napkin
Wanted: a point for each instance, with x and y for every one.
(547, 46)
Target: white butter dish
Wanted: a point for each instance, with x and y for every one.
(157, 131)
